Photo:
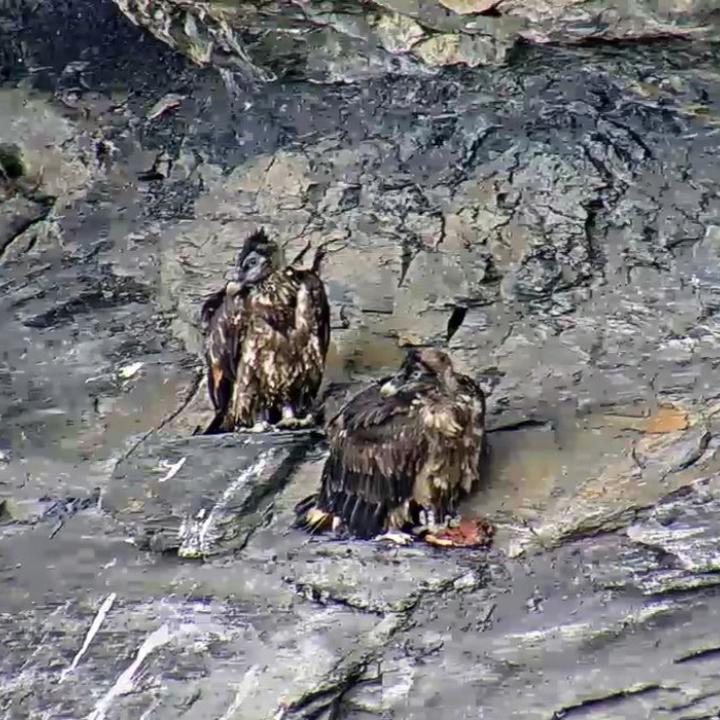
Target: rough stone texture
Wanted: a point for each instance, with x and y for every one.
(561, 207)
(335, 40)
(206, 495)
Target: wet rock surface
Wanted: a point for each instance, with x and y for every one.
(553, 218)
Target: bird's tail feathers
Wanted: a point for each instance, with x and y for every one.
(215, 425)
(308, 516)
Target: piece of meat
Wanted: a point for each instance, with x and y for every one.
(469, 533)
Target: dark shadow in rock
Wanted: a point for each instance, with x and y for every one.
(22, 204)
(455, 321)
(204, 495)
(48, 38)
(11, 163)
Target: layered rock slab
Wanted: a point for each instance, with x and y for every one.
(609, 310)
(204, 495)
(340, 41)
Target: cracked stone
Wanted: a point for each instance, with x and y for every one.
(555, 211)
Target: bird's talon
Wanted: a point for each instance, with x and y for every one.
(429, 524)
(287, 424)
(399, 538)
(260, 427)
(292, 423)
(453, 521)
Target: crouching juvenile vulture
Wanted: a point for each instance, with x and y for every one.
(402, 452)
(267, 335)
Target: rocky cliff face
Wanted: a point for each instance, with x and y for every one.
(334, 41)
(501, 179)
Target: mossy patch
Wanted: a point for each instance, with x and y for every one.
(11, 163)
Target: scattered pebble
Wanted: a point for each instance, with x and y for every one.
(164, 104)
(129, 371)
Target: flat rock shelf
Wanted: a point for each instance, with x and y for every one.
(203, 495)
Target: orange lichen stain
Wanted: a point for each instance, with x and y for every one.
(667, 420)
(134, 506)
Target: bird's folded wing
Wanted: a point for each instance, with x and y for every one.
(316, 311)
(377, 445)
(222, 348)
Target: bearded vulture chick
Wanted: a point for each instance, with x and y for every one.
(402, 452)
(267, 336)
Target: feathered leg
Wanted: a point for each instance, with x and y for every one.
(429, 522)
(261, 426)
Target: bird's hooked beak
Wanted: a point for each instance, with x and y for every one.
(233, 288)
(450, 380)
(238, 278)
(389, 388)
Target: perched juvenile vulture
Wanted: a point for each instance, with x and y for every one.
(267, 337)
(402, 452)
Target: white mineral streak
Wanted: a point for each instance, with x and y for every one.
(96, 623)
(172, 469)
(125, 683)
(244, 689)
(197, 532)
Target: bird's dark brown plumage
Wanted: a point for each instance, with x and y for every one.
(408, 443)
(267, 336)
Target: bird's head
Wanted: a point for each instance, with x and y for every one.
(256, 260)
(428, 366)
